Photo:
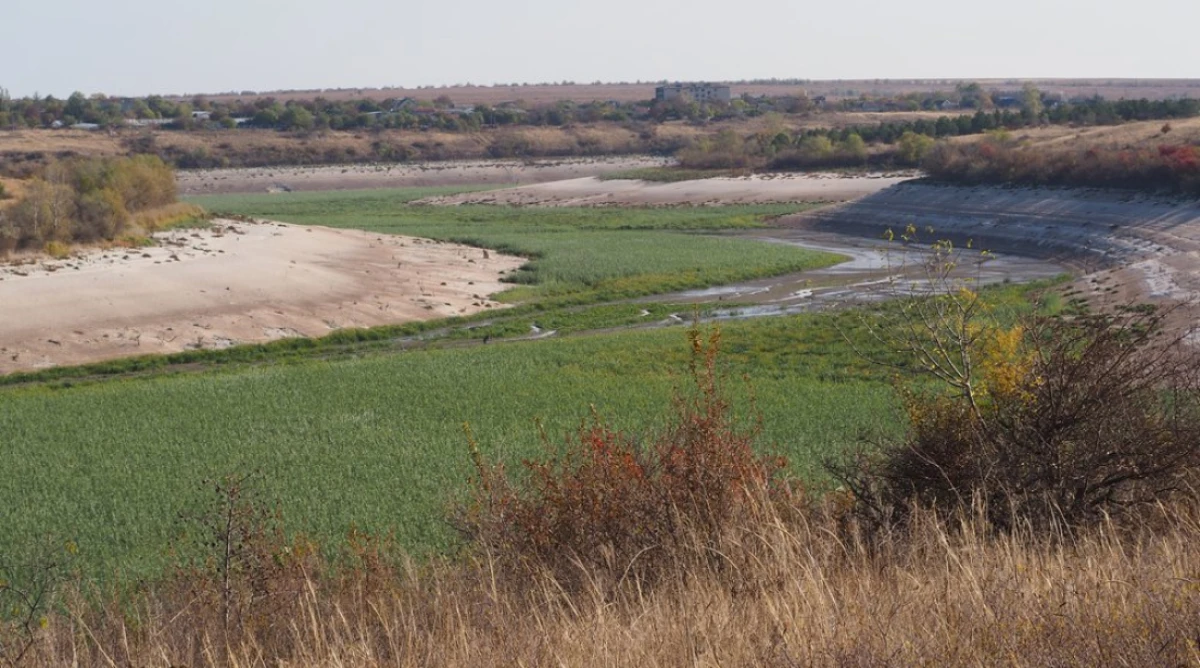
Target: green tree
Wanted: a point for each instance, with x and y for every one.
(266, 118)
(854, 147)
(912, 147)
(1031, 102)
(817, 146)
(297, 118)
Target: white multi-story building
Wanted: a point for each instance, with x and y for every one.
(699, 92)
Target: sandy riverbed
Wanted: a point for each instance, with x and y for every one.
(236, 283)
(496, 173)
(758, 188)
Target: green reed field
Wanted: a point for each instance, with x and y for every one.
(377, 442)
(576, 254)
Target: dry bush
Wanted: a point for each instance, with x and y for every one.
(725, 150)
(88, 199)
(238, 575)
(1167, 167)
(612, 506)
(1057, 422)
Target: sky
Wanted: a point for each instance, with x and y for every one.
(139, 47)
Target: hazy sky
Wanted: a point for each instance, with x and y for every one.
(133, 47)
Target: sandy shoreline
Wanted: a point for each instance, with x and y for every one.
(497, 173)
(236, 283)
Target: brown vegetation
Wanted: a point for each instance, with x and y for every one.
(777, 593)
(1139, 156)
(87, 200)
(1168, 167)
(1063, 422)
(615, 508)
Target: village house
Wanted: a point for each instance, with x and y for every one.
(698, 92)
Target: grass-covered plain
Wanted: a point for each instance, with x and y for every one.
(576, 254)
(377, 442)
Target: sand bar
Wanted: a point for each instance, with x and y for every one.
(236, 283)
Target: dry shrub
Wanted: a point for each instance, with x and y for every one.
(725, 150)
(1169, 167)
(89, 199)
(614, 506)
(238, 574)
(1064, 422)
(57, 250)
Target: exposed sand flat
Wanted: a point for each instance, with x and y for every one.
(497, 173)
(237, 283)
(759, 188)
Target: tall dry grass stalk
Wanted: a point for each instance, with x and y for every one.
(790, 591)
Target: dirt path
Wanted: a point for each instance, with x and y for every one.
(236, 283)
(759, 188)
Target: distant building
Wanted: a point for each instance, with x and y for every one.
(699, 92)
(148, 122)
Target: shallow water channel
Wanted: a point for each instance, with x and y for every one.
(876, 270)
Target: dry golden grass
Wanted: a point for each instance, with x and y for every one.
(14, 189)
(83, 142)
(786, 592)
(162, 217)
(1140, 134)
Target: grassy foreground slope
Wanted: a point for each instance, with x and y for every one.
(580, 254)
(376, 442)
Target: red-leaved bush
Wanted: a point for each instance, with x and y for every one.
(613, 503)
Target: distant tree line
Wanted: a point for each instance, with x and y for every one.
(905, 143)
(1006, 109)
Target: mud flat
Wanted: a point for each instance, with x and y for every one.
(875, 270)
(418, 175)
(1128, 246)
(234, 283)
(755, 189)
